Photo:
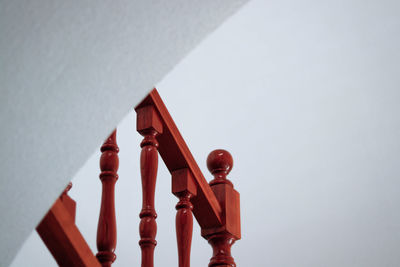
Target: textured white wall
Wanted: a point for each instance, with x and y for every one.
(305, 95)
(70, 70)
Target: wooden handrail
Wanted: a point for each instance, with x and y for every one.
(216, 205)
(176, 155)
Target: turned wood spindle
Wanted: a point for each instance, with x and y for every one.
(220, 163)
(107, 228)
(149, 126)
(184, 188)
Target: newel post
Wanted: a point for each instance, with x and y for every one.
(149, 126)
(219, 163)
(107, 227)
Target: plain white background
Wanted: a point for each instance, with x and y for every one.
(305, 96)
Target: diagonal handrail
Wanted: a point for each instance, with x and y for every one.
(176, 155)
(215, 205)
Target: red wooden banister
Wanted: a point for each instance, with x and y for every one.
(176, 155)
(216, 206)
(61, 236)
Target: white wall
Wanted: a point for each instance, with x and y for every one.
(305, 96)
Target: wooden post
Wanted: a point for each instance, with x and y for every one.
(149, 126)
(220, 163)
(184, 188)
(215, 205)
(107, 227)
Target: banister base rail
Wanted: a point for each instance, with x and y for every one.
(61, 236)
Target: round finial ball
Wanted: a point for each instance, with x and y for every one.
(219, 160)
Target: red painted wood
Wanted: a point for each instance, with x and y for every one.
(216, 206)
(221, 244)
(184, 188)
(69, 203)
(220, 163)
(107, 227)
(176, 156)
(148, 125)
(184, 228)
(61, 236)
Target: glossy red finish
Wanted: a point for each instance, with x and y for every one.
(61, 236)
(149, 126)
(184, 188)
(184, 229)
(216, 206)
(221, 244)
(69, 203)
(107, 227)
(176, 156)
(220, 163)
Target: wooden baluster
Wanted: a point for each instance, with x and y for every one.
(149, 126)
(107, 228)
(220, 163)
(184, 188)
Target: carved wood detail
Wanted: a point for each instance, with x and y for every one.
(221, 244)
(216, 206)
(220, 163)
(107, 227)
(149, 126)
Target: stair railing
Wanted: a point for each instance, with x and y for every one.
(215, 205)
